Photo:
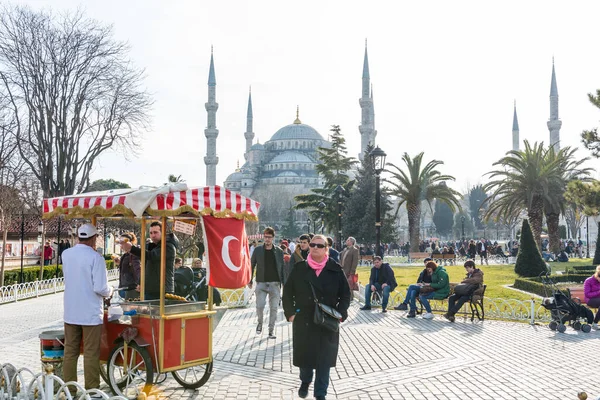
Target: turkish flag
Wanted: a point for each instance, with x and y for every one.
(227, 254)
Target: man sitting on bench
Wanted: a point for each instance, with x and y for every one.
(382, 279)
(413, 290)
(475, 281)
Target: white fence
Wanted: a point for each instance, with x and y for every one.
(17, 384)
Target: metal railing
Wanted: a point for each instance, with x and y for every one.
(504, 309)
(22, 383)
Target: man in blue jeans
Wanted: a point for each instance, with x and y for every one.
(439, 288)
(382, 279)
(413, 290)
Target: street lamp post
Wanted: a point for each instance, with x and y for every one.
(308, 225)
(462, 222)
(339, 190)
(587, 237)
(57, 241)
(378, 161)
(321, 208)
(22, 278)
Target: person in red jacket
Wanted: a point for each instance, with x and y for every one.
(48, 253)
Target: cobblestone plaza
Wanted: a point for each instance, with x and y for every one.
(382, 356)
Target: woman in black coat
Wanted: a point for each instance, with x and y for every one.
(315, 348)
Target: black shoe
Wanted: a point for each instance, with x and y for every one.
(449, 317)
(383, 310)
(401, 307)
(365, 308)
(303, 391)
(272, 335)
(411, 314)
(320, 398)
(258, 329)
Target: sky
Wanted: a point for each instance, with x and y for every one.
(445, 76)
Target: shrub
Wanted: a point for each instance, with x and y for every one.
(529, 260)
(535, 285)
(31, 274)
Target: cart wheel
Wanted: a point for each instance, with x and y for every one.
(136, 377)
(552, 325)
(104, 373)
(193, 377)
(586, 328)
(577, 326)
(561, 328)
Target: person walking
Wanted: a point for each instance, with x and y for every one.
(315, 348)
(267, 260)
(349, 260)
(86, 284)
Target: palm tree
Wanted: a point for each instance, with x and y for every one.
(417, 184)
(528, 181)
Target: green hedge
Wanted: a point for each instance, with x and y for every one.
(535, 285)
(580, 269)
(32, 274)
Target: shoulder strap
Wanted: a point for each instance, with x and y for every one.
(314, 293)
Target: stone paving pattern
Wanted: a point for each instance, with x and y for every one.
(382, 356)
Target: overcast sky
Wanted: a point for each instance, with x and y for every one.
(445, 75)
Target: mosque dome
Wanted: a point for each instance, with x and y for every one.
(257, 146)
(297, 131)
(235, 177)
(291, 156)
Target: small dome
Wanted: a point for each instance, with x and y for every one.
(257, 146)
(297, 131)
(235, 177)
(291, 156)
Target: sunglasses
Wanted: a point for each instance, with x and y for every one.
(319, 245)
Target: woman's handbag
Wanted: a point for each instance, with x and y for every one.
(465, 289)
(326, 316)
(426, 289)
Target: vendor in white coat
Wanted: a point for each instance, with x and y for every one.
(86, 284)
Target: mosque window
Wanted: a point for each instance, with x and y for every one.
(296, 144)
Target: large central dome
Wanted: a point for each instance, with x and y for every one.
(297, 131)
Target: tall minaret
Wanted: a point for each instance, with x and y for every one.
(249, 135)
(367, 125)
(554, 123)
(211, 132)
(515, 130)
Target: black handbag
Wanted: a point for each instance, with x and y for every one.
(465, 289)
(326, 316)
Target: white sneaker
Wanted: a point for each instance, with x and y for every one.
(428, 316)
(595, 326)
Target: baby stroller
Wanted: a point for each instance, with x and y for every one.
(191, 284)
(563, 309)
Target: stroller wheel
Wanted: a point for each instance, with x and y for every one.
(561, 328)
(552, 325)
(577, 326)
(586, 328)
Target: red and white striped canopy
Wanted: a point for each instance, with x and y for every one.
(212, 200)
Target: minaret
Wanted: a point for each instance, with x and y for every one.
(367, 125)
(211, 132)
(249, 135)
(554, 123)
(515, 130)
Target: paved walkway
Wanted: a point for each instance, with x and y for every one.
(382, 356)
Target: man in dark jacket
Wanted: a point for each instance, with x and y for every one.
(382, 280)
(153, 255)
(413, 290)
(267, 260)
(475, 279)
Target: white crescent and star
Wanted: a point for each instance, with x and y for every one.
(225, 254)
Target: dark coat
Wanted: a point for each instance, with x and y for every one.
(152, 268)
(388, 276)
(258, 263)
(129, 270)
(315, 346)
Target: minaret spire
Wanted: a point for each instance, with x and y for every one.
(367, 125)
(297, 121)
(211, 132)
(515, 130)
(249, 135)
(554, 123)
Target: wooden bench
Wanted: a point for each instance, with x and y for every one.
(475, 303)
(366, 260)
(441, 258)
(418, 256)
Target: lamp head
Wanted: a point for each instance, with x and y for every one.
(378, 159)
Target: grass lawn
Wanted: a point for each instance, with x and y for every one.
(495, 277)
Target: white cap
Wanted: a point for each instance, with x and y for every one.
(86, 231)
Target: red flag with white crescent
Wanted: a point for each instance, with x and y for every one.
(227, 254)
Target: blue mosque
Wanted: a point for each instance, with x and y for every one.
(284, 166)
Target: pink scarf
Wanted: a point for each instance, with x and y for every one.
(317, 266)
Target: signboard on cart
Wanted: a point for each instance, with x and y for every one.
(184, 227)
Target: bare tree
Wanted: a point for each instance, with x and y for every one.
(73, 94)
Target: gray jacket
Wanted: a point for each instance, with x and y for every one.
(258, 263)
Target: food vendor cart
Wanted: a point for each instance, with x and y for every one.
(168, 334)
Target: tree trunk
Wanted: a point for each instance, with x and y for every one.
(4, 238)
(42, 255)
(535, 213)
(414, 218)
(553, 232)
